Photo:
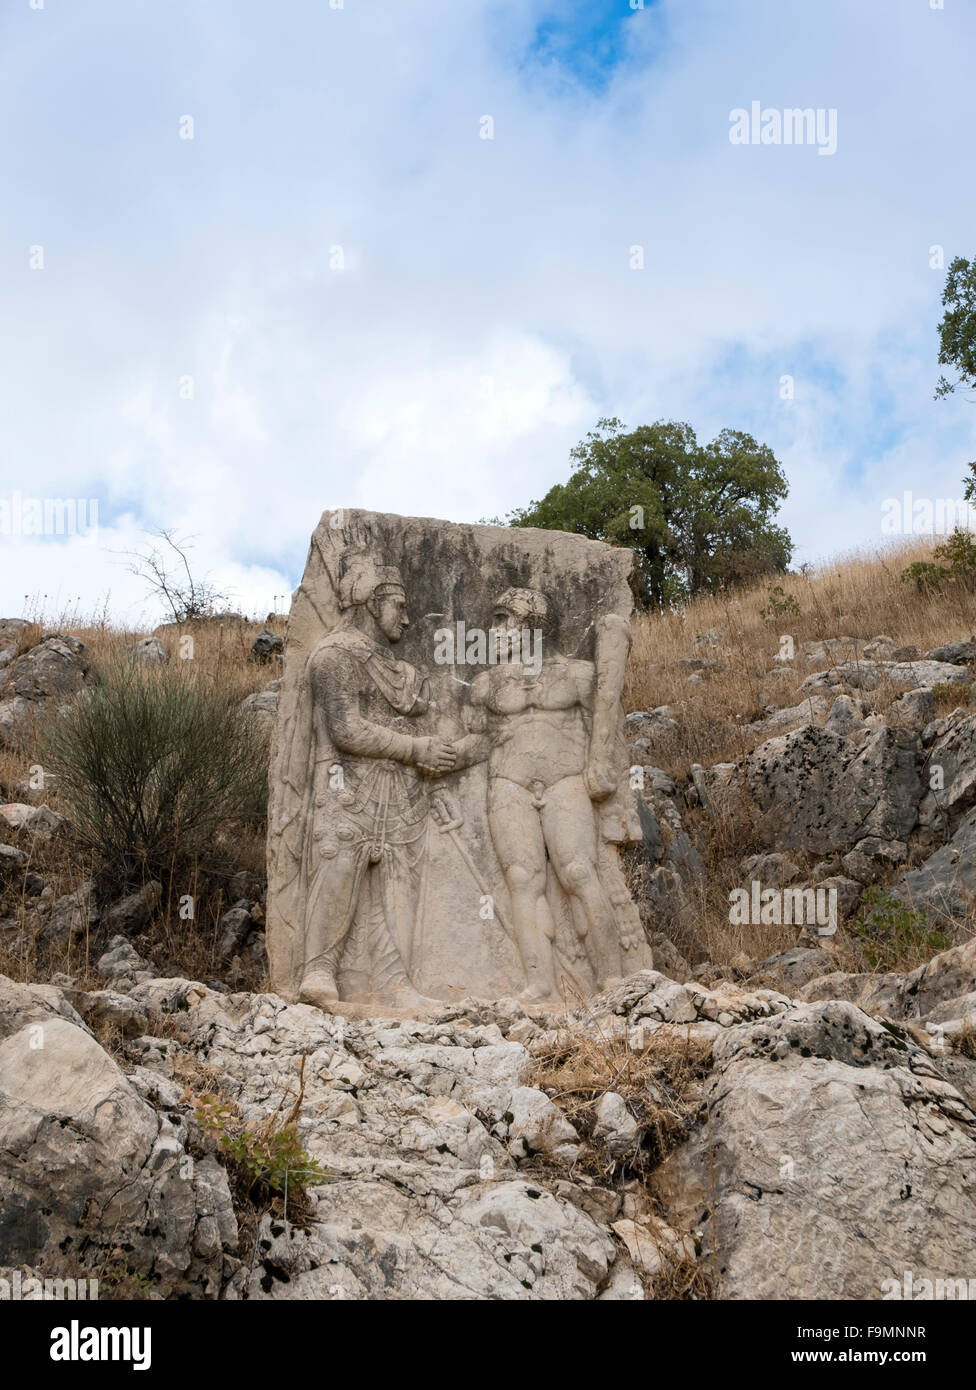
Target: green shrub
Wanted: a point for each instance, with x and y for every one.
(152, 761)
(892, 936)
(779, 604)
(958, 552)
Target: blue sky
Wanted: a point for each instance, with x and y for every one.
(486, 312)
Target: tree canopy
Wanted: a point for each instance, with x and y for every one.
(699, 517)
(957, 338)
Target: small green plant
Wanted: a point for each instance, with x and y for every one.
(779, 604)
(892, 936)
(948, 696)
(119, 1282)
(266, 1161)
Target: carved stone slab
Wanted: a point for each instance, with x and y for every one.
(449, 782)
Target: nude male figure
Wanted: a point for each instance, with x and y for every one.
(535, 723)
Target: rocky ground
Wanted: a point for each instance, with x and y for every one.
(797, 1126)
(667, 1140)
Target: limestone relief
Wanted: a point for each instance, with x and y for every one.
(446, 822)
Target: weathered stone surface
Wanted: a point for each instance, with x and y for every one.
(646, 728)
(38, 821)
(132, 912)
(846, 716)
(951, 765)
(38, 681)
(446, 822)
(958, 653)
(820, 792)
(12, 631)
(236, 925)
(944, 887)
(149, 651)
(266, 646)
(121, 960)
(11, 858)
(72, 915)
(835, 1158)
(914, 710)
(789, 970)
(88, 1170)
(263, 705)
(869, 675)
(948, 976)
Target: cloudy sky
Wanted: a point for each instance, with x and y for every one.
(340, 293)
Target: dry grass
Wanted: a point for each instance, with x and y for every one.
(859, 596)
(964, 1042)
(661, 1087)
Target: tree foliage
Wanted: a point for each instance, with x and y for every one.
(957, 338)
(699, 517)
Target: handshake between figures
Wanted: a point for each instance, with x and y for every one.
(435, 756)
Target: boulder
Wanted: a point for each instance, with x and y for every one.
(869, 675)
(267, 647)
(957, 653)
(950, 774)
(131, 913)
(615, 1127)
(913, 710)
(72, 916)
(819, 792)
(235, 927)
(846, 716)
(835, 1158)
(149, 651)
(263, 706)
(36, 821)
(11, 858)
(944, 887)
(89, 1170)
(56, 666)
(121, 960)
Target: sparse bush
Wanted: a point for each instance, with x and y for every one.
(958, 554)
(964, 1042)
(779, 604)
(891, 936)
(948, 696)
(151, 762)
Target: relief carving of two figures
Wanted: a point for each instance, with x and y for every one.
(370, 782)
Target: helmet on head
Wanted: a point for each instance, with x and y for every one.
(364, 577)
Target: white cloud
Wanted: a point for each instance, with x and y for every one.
(466, 262)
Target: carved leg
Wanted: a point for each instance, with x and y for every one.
(333, 895)
(517, 836)
(569, 826)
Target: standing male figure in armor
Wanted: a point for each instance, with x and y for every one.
(367, 809)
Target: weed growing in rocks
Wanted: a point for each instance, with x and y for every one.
(890, 936)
